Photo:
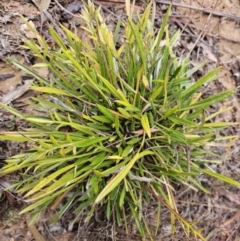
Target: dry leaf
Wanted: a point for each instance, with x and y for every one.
(208, 53)
(44, 5)
(10, 78)
(16, 93)
(6, 76)
(5, 19)
(28, 32)
(73, 8)
(231, 196)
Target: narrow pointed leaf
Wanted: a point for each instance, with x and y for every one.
(121, 175)
(145, 125)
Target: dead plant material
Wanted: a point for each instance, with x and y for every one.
(34, 231)
(6, 76)
(230, 220)
(14, 94)
(207, 11)
(71, 9)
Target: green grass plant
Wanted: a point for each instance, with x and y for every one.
(119, 123)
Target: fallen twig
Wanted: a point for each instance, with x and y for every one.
(201, 34)
(209, 11)
(50, 18)
(65, 10)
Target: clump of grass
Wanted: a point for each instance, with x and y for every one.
(116, 126)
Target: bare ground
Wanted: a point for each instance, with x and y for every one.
(212, 34)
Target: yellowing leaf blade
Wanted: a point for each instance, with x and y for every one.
(121, 175)
(49, 179)
(145, 125)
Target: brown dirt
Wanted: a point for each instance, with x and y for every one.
(218, 43)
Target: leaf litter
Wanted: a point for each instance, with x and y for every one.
(218, 44)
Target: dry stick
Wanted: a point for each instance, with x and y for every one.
(98, 3)
(229, 221)
(209, 17)
(234, 4)
(209, 11)
(200, 35)
(74, 15)
(206, 205)
(65, 10)
(224, 225)
(58, 200)
(50, 18)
